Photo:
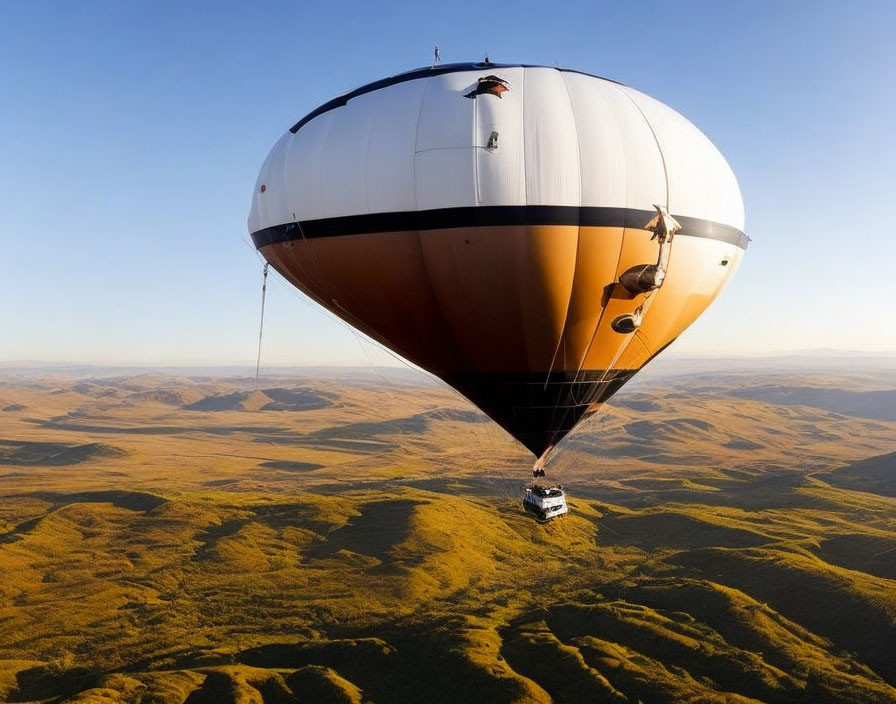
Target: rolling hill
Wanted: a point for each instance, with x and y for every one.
(189, 539)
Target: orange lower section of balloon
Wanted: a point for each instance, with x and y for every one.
(517, 318)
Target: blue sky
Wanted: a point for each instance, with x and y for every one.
(131, 135)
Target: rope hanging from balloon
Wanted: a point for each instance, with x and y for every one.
(264, 289)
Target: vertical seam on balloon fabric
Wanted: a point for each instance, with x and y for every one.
(656, 140)
(437, 302)
(313, 258)
(633, 336)
(317, 279)
(263, 174)
(551, 429)
(618, 255)
(315, 285)
(295, 208)
(383, 290)
(367, 166)
(525, 227)
(475, 150)
(603, 311)
(320, 163)
(659, 148)
(435, 298)
(416, 139)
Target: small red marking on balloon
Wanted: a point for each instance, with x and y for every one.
(263, 188)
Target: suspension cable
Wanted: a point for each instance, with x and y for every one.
(264, 289)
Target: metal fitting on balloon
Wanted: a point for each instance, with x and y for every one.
(648, 277)
(628, 322)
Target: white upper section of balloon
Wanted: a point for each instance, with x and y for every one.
(549, 137)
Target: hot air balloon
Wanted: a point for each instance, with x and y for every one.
(531, 235)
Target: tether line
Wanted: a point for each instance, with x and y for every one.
(264, 289)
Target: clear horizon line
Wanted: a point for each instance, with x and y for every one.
(186, 364)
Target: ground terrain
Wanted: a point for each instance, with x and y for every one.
(358, 537)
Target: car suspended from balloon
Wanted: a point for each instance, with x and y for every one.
(531, 235)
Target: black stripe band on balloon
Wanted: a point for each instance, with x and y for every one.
(490, 216)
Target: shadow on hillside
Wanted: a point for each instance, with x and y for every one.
(289, 466)
(278, 399)
(880, 405)
(130, 500)
(866, 553)
(676, 531)
(876, 475)
(49, 683)
(757, 492)
(379, 527)
(810, 594)
(53, 454)
(389, 664)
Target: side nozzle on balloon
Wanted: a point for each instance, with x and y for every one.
(642, 278)
(649, 277)
(627, 322)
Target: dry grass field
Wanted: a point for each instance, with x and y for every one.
(358, 538)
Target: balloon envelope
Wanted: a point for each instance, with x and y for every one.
(476, 219)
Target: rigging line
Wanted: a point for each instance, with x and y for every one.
(575, 266)
(290, 289)
(334, 317)
(622, 241)
(619, 352)
(373, 367)
(312, 257)
(649, 297)
(309, 291)
(316, 264)
(647, 300)
(600, 317)
(552, 428)
(306, 300)
(376, 342)
(505, 482)
(655, 139)
(312, 304)
(561, 339)
(572, 385)
(591, 342)
(264, 289)
(597, 323)
(250, 245)
(645, 306)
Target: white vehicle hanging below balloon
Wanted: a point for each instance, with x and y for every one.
(546, 502)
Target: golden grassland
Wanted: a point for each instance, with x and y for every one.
(183, 539)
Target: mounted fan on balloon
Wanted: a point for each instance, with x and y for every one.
(531, 235)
